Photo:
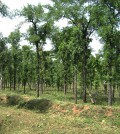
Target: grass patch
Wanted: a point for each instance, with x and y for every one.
(13, 100)
(17, 121)
(55, 115)
(41, 105)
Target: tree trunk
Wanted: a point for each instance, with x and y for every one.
(85, 73)
(75, 91)
(10, 77)
(73, 84)
(113, 93)
(118, 90)
(91, 85)
(105, 88)
(14, 77)
(65, 83)
(24, 89)
(38, 70)
(110, 99)
(109, 94)
(4, 83)
(65, 88)
(24, 86)
(10, 85)
(1, 79)
(84, 83)
(42, 85)
(1, 82)
(58, 86)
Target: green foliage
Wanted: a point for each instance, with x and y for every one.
(3, 9)
(14, 38)
(33, 13)
(28, 65)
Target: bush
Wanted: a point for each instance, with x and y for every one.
(42, 105)
(13, 99)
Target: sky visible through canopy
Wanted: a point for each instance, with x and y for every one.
(8, 25)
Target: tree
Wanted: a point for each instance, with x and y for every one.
(37, 33)
(3, 54)
(14, 39)
(107, 30)
(10, 67)
(76, 13)
(3, 12)
(28, 66)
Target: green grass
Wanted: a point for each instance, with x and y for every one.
(54, 114)
(54, 95)
(54, 121)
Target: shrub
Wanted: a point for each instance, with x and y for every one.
(42, 105)
(13, 99)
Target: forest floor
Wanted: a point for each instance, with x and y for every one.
(25, 114)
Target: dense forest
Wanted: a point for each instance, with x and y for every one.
(70, 67)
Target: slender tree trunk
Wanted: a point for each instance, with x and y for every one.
(14, 80)
(1, 83)
(91, 85)
(109, 94)
(110, 87)
(105, 88)
(65, 88)
(58, 86)
(65, 83)
(4, 83)
(14, 77)
(42, 85)
(38, 70)
(24, 87)
(10, 85)
(10, 77)
(118, 90)
(1, 77)
(113, 93)
(85, 57)
(38, 61)
(73, 85)
(84, 80)
(75, 91)
(1, 80)
(18, 85)
(110, 99)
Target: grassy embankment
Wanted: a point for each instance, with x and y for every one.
(50, 114)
